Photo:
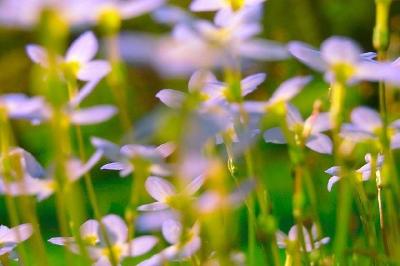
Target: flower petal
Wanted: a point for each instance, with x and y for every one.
(116, 227)
(289, 89)
(250, 83)
(141, 245)
(274, 135)
(93, 115)
(83, 49)
(94, 70)
(340, 49)
(171, 98)
(155, 206)
(366, 119)
(172, 231)
(320, 143)
(159, 188)
(307, 55)
(37, 54)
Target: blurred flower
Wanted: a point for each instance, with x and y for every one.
(366, 124)
(36, 181)
(341, 60)
(122, 158)
(209, 89)
(213, 5)
(117, 233)
(214, 201)
(309, 130)
(183, 244)
(202, 44)
(282, 95)
(165, 193)
(20, 106)
(310, 238)
(11, 237)
(26, 13)
(78, 61)
(363, 173)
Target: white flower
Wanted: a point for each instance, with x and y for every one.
(310, 238)
(164, 192)
(117, 233)
(11, 237)
(180, 249)
(213, 5)
(78, 60)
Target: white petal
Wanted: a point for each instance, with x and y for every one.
(289, 89)
(171, 98)
(340, 49)
(117, 227)
(207, 5)
(89, 229)
(172, 231)
(250, 83)
(141, 245)
(293, 117)
(258, 49)
(395, 141)
(195, 185)
(155, 206)
(17, 234)
(130, 9)
(366, 119)
(332, 181)
(84, 92)
(166, 149)
(318, 123)
(199, 79)
(94, 70)
(274, 135)
(307, 55)
(320, 143)
(159, 188)
(61, 241)
(83, 49)
(37, 54)
(93, 115)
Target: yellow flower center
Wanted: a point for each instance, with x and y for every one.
(116, 252)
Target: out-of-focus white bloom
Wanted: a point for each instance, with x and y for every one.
(122, 158)
(183, 244)
(213, 5)
(341, 59)
(165, 193)
(11, 237)
(309, 130)
(212, 201)
(310, 238)
(366, 124)
(26, 13)
(364, 172)
(210, 90)
(78, 60)
(117, 233)
(202, 44)
(20, 106)
(36, 181)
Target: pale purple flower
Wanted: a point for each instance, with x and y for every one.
(341, 59)
(200, 44)
(309, 130)
(214, 5)
(122, 158)
(20, 106)
(311, 239)
(363, 173)
(40, 183)
(282, 95)
(117, 232)
(181, 248)
(366, 124)
(211, 90)
(26, 13)
(11, 237)
(165, 193)
(78, 60)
